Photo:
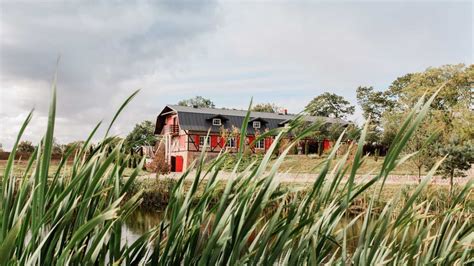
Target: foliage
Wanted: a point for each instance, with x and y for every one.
(460, 157)
(159, 164)
(329, 105)
(266, 107)
(334, 130)
(198, 101)
(74, 146)
(25, 146)
(57, 148)
(143, 134)
(422, 145)
(247, 160)
(66, 220)
(373, 104)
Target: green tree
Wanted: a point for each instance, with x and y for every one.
(330, 105)
(460, 157)
(198, 101)
(373, 104)
(266, 107)
(423, 143)
(141, 135)
(57, 148)
(25, 146)
(450, 115)
(76, 144)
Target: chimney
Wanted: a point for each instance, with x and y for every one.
(286, 111)
(195, 106)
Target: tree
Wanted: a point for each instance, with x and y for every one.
(57, 148)
(266, 107)
(373, 104)
(450, 115)
(141, 135)
(76, 144)
(460, 157)
(25, 146)
(422, 142)
(198, 101)
(329, 105)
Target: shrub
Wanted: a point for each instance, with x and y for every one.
(159, 164)
(25, 146)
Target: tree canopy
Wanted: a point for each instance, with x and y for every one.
(198, 101)
(266, 107)
(330, 105)
(25, 146)
(446, 130)
(141, 135)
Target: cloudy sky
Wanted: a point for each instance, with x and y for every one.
(281, 52)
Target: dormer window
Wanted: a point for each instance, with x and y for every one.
(216, 122)
(256, 124)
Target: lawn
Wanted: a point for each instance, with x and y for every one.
(20, 167)
(313, 163)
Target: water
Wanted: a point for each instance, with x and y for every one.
(142, 221)
(139, 223)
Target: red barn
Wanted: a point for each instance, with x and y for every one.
(184, 130)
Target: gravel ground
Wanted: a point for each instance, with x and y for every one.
(309, 178)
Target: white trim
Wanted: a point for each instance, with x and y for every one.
(216, 122)
(260, 144)
(202, 139)
(229, 141)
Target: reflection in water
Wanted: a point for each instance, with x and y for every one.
(142, 221)
(138, 223)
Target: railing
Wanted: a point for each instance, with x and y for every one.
(172, 129)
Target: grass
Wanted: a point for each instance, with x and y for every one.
(22, 165)
(314, 164)
(157, 193)
(76, 218)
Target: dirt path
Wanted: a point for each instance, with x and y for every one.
(309, 178)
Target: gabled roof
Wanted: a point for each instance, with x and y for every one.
(197, 119)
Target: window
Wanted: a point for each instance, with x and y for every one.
(256, 124)
(231, 143)
(202, 139)
(216, 122)
(260, 144)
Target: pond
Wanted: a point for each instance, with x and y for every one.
(141, 221)
(138, 223)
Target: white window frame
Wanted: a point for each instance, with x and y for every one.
(256, 124)
(260, 144)
(216, 122)
(202, 139)
(231, 143)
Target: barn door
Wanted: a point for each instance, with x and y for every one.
(179, 164)
(173, 164)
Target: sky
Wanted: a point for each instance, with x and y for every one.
(228, 51)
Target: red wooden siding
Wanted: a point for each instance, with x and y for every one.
(213, 141)
(268, 143)
(251, 139)
(223, 140)
(326, 145)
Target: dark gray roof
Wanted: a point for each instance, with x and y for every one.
(200, 119)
